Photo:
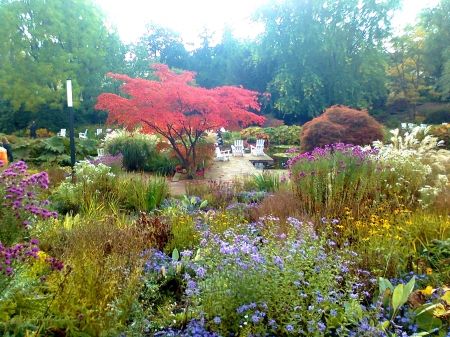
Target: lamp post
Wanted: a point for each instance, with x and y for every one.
(71, 128)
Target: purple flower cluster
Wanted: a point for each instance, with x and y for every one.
(156, 261)
(21, 195)
(194, 328)
(329, 150)
(109, 160)
(19, 253)
(252, 196)
(55, 264)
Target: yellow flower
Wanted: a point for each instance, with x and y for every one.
(429, 271)
(427, 291)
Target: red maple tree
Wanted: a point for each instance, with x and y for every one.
(174, 107)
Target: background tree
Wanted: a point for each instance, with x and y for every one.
(205, 64)
(165, 46)
(179, 111)
(42, 45)
(407, 74)
(325, 53)
(436, 24)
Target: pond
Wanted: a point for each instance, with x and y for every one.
(279, 156)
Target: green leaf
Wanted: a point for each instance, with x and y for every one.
(426, 321)
(383, 326)
(204, 204)
(198, 255)
(175, 255)
(384, 284)
(427, 307)
(446, 297)
(397, 297)
(408, 290)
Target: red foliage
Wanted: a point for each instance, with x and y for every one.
(340, 124)
(177, 109)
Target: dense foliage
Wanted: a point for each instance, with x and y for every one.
(41, 47)
(353, 243)
(356, 62)
(340, 124)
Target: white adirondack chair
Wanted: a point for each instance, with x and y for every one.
(258, 150)
(238, 148)
(99, 132)
(83, 134)
(222, 155)
(62, 133)
(100, 152)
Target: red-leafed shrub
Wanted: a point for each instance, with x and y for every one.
(340, 124)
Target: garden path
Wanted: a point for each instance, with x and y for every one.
(222, 170)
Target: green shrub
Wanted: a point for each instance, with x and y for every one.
(438, 116)
(161, 164)
(284, 135)
(135, 147)
(93, 185)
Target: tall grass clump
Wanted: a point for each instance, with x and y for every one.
(267, 181)
(281, 205)
(425, 167)
(142, 192)
(219, 194)
(135, 147)
(326, 180)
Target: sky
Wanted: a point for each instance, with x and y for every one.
(189, 17)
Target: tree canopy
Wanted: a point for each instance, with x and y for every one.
(174, 107)
(310, 56)
(44, 42)
(325, 53)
